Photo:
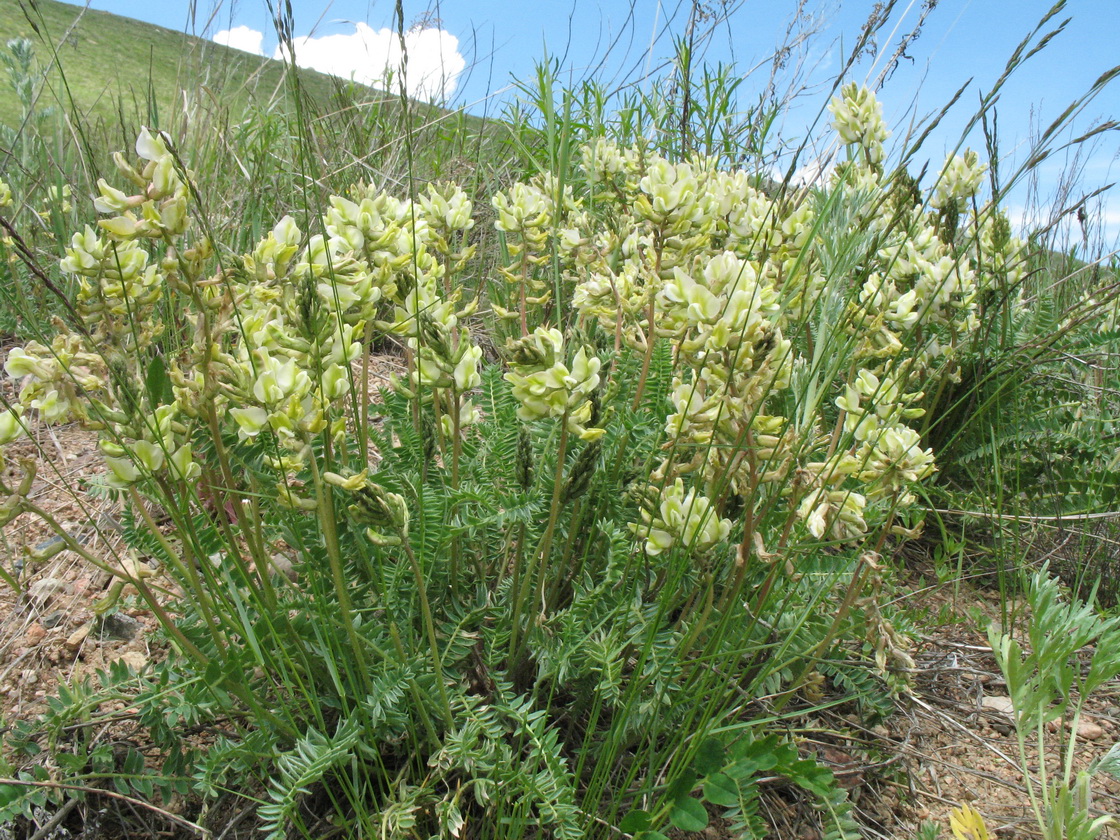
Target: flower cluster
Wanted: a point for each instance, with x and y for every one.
(857, 117)
(703, 258)
(68, 380)
(753, 293)
(960, 178)
(529, 216)
(384, 264)
(278, 329)
(681, 518)
(162, 199)
(547, 385)
(61, 381)
(707, 259)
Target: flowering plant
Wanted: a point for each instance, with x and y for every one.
(703, 413)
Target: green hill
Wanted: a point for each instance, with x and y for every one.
(110, 69)
(258, 137)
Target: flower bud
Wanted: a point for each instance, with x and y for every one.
(10, 426)
(122, 472)
(151, 146)
(352, 484)
(336, 382)
(385, 514)
(20, 363)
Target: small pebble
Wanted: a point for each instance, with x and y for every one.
(35, 634)
(1089, 730)
(75, 639)
(282, 565)
(1002, 705)
(118, 626)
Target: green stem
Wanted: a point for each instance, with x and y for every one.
(260, 560)
(363, 391)
(456, 455)
(746, 547)
(1028, 779)
(570, 570)
(518, 639)
(239, 690)
(71, 543)
(1072, 745)
(184, 570)
(417, 696)
(430, 629)
(698, 625)
(524, 283)
(651, 335)
(810, 658)
(329, 526)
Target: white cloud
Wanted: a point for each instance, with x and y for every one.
(241, 38)
(373, 57)
(813, 174)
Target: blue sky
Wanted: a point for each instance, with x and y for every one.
(472, 49)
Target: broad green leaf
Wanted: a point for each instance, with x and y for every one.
(636, 821)
(745, 769)
(158, 383)
(688, 814)
(721, 789)
(9, 794)
(682, 786)
(711, 757)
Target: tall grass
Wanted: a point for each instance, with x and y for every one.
(661, 422)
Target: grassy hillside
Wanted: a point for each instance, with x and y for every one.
(114, 68)
(256, 134)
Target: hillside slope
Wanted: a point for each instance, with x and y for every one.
(116, 70)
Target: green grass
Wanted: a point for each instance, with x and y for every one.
(108, 69)
(255, 133)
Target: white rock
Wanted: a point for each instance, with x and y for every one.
(134, 659)
(1002, 705)
(44, 589)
